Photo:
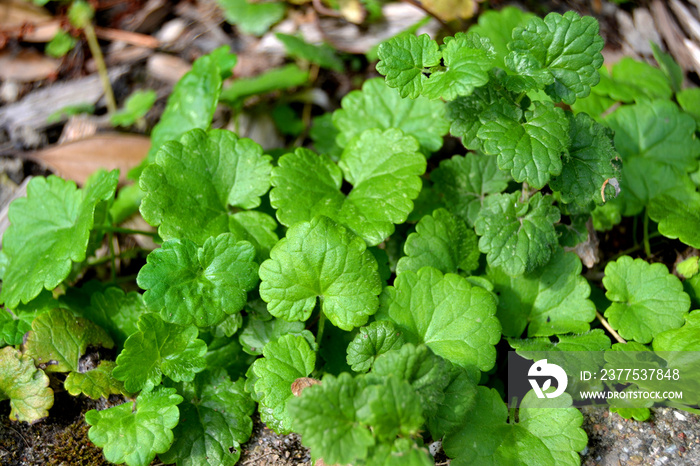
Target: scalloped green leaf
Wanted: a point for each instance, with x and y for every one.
(551, 300)
(459, 399)
(646, 299)
(441, 241)
(445, 312)
(589, 164)
(464, 182)
(372, 341)
(498, 26)
(321, 259)
(24, 385)
(404, 59)
(685, 338)
(532, 150)
(49, 231)
(515, 235)
(134, 432)
(95, 383)
(560, 54)
(158, 349)
(285, 360)
(384, 169)
(193, 100)
(257, 228)
(221, 168)
(678, 219)
(215, 422)
(467, 59)
(326, 417)
(657, 144)
(258, 333)
(379, 106)
(116, 312)
(201, 286)
(58, 340)
(543, 436)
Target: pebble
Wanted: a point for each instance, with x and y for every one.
(678, 415)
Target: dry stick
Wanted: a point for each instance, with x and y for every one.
(609, 328)
(132, 38)
(101, 67)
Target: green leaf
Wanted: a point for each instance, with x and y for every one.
(403, 452)
(116, 312)
(497, 26)
(60, 45)
(441, 241)
(404, 59)
(257, 228)
(24, 385)
(532, 150)
(552, 299)
(326, 417)
(543, 436)
(560, 53)
(392, 408)
(158, 349)
(252, 18)
(594, 341)
(467, 59)
(668, 65)
(589, 164)
(678, 219)
(515, 235)
(221, 168)
(379, 106)
(321, 259)
(215, 422)
(657, 145)
(372, 341)
(453, 318)
(634, 80)
(384, 169)
(685, 338)
(49, 231)
(187, 284)
(258, 333)
(95, 383)
(689, 100)
(286, 359)
(464, 182)
(323, 55)
(427, 373)
(133, 433)
(275, 79)
(460, 397)
(58, 340)
(135, 107)
(193, 100)
(647, 299)
(324, 133)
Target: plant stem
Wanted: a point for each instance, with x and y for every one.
(607, 326)
(647, 247)
(129, 231)
(101, 67)
(321, 325)
(110, 239)
(656, 234)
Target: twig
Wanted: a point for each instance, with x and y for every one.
(101, 67)
(133, 38)
(322, 9)
(609, 328)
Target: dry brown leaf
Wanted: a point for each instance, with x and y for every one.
(77, 160)
(302, 383)
(448, 10)
(27, 66)
(33, 23)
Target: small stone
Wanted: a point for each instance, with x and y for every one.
(679, 416)
(671, 450)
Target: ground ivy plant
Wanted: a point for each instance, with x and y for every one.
(381, 274)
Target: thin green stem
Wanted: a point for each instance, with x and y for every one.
(101, 67)
(128, 231)
(113, 260)
(520, 97)
(321, 325)
(647, 247)
(634, 248)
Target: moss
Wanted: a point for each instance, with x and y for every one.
(72, 446)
